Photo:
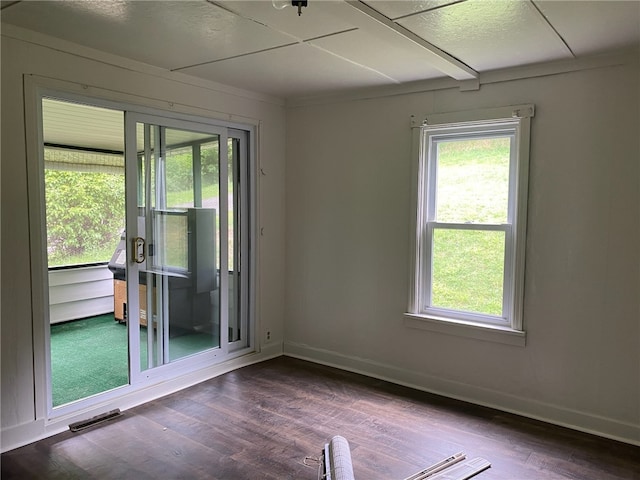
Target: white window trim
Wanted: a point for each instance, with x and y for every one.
(466, 325)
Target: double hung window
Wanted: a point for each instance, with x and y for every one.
(470, 218)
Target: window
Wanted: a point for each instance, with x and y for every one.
(84, 182)
(470, 218)
(85, 208)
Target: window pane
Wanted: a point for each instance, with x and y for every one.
(467, 271)
(210, 171)
(179, 177)
(85, 216)
(172, 237)
(472, 180)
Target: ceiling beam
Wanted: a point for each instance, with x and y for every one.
(437, 58)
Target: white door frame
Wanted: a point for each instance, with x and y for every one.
(181, 373)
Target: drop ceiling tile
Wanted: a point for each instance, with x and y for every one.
(297, 70)
(490, 34)
(591, 27)
(399, 8)
(394, 56)
(169, 34)
(319, 18)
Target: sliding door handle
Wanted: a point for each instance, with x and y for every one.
(138, 250)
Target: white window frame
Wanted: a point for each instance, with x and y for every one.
(512, 122)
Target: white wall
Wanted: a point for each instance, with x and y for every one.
(22, 418)
(348, 206)
(80, 292)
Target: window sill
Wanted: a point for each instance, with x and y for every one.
(489, 333)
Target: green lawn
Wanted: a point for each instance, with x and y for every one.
(186, 197)
(467, 271)
(467, 267)
(94, 256)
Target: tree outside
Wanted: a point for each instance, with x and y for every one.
(85, 216)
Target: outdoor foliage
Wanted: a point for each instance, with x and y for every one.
(179, 167)
(85, 216)
(86, 211)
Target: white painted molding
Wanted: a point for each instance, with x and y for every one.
(20, 435)
(546, 412)
(460, 328)
(559, 67)
(23, 434)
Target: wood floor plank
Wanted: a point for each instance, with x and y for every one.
(261, 421)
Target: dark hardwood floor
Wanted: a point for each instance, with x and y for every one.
(260, 422)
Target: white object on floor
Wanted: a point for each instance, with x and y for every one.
(336, 460)
(437, 467)
(462, 471)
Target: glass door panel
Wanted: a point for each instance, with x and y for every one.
(178, 226)
(183, 266)
(238, 238)
(234, 238)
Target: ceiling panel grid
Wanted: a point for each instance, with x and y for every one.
(335, 45)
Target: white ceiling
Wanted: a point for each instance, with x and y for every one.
(335, 45)
(99, 129)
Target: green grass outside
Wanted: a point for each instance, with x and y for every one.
(186, 197)
(467, 265)
(468, 271)
(94, 256)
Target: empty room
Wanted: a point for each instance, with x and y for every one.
(320, 239)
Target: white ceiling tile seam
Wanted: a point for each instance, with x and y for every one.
(555, 30)
(177, 69)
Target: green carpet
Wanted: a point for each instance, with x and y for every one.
(90, 356)
(87, 357)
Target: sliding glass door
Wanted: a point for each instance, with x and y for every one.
(148, 232)
(187, 237)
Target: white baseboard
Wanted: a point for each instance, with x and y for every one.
(38, 429)
(558, 415)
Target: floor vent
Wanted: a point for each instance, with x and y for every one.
(103, 417)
